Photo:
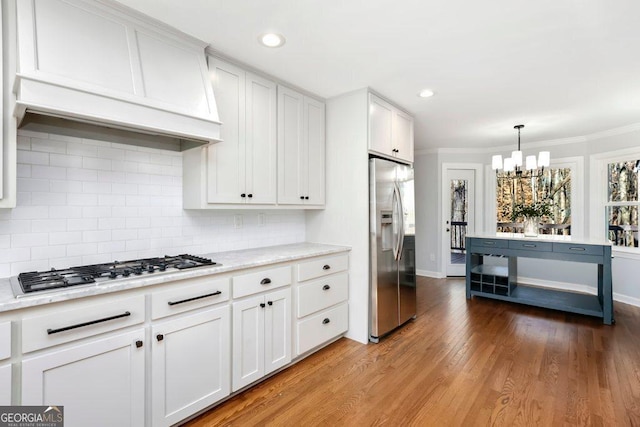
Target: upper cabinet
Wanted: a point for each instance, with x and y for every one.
(242, 169)
(390, 130)
(301, 143)
(99, 62)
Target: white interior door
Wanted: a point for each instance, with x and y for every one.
(459, 217)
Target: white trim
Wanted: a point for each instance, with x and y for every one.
(433, 274)
(624, 252)
(626, 299)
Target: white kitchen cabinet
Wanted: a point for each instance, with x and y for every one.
(5, 365)
(242, 169)
(99, 383)
(190, 360)
(390, 130)
(321, 304)
(301, 149)
(261, 336)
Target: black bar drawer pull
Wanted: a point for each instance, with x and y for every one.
(265, 281)
(326, 320)
(92, 322)
(528, 245)
(194, 298)
(575, 248)
(326, 287)
(326, 267)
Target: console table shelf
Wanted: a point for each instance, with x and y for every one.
(499, 282)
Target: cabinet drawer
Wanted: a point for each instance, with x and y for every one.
(529, 245)
(322, 266)
(489, 243)
(185, 295)
(57, 327)
(322, 293)
(322, 327)
(5, 340)
(263, 280)
(573, 248)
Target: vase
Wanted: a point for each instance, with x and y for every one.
(531, 227)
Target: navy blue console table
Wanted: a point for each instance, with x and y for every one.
(500, 282)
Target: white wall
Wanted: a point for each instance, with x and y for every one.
(84, 201)
(626, 268)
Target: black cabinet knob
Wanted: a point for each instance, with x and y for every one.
(243, 195)
(138, 344)
(326, 287)
(262, 305)
(306, 197)
(249, 195)
(159, 337)
(265, 281)
(301, 197)
(326, 267)
(325, 321)
(270, 302)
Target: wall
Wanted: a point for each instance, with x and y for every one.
(626, 268)
(85, 201)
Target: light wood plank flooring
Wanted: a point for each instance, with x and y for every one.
(460, 363)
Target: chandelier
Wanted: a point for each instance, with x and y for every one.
(513, 165)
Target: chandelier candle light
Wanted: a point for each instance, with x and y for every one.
(535, 167)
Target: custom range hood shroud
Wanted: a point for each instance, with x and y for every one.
(96, 69)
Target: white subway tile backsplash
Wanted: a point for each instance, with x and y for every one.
(87, 201)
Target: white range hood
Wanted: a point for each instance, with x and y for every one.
(97, 62)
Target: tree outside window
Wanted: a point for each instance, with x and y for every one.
(553, 186)
(623, 203)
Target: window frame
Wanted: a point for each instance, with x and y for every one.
(599, 164)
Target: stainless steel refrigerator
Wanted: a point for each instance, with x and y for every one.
(392, 246)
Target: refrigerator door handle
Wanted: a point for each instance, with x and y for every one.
(396, 221)
(401, 233)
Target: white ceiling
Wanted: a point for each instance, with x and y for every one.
(564, 68)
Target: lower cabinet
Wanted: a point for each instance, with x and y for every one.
(5, 366)
(190, 363)
(261, 336)
(5, 385)
(100, 383)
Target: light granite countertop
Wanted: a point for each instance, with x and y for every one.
(230, 261)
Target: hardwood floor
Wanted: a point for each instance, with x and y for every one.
(460, 363)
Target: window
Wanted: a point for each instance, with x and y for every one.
(554, 186)
(621, 208)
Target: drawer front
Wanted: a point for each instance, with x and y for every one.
(263, 280)
(5, 340)
(528, 245)
(322, 293)
(322, 267)
(185, 295)
(573, 248)
(489, 243)
(84, 321)
(322, 327)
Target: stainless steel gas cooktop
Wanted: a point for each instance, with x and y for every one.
(36, 282)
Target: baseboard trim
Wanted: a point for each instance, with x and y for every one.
(432, 274)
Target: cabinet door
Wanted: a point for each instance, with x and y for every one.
(190, 361)
(290, 126)
(403, 135)
(261, 141)
(100, 383)
(5, 385)
(380, 125)
(313, 170)
(277, 326)
(248, 341)
(226, 159)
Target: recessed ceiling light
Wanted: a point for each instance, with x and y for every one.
(425, 93)
(272, 39)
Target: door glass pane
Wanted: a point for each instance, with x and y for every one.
(458, 220)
